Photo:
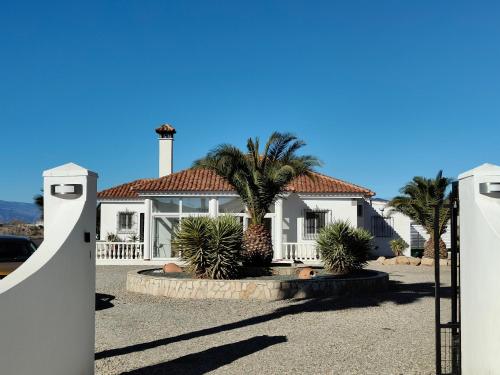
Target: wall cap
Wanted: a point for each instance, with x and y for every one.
(485, 169)
(68, 170)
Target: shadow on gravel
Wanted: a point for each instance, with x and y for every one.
(398, 293)
(211, 359)
(103, 301)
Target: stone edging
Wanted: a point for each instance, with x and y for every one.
(404, 260)
(247, 289)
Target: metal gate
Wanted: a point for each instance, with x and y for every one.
(448, 352)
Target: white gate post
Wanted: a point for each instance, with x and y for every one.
(47, 313)
(479, 191)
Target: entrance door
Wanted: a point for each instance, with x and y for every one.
(163, 232)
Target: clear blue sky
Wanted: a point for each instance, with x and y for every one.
(380, 90)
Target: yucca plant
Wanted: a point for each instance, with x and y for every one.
(398, 246)
(417, 201)
(344, 248)
(259, 177)
(210, 246)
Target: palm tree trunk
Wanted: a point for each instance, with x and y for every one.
(429, 248)
(257, 246)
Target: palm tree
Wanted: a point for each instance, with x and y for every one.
(259, 179)
(38, 200)
(418, 199)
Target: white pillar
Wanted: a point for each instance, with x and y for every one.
(278, 229)
(212, 207)
(479, 191)
(147, 228)
(48, 304)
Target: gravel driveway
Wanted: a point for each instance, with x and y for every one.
(384, 333)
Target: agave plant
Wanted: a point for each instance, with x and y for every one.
(398, 246)
(344, 248)
(418, 199)
(259, 177)
(210, 246)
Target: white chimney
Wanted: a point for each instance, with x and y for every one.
(166, 144)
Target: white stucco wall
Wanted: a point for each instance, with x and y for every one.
(401, 225)
(344, 208)
(48, 304)
(479, 272)
(109, 217)
(294, 206)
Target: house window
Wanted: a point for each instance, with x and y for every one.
(126, 222)
(314, 221)
(167, 205)
(360, 210)
(185, 205)
(382, 227)
(231, 205)
(195, 205)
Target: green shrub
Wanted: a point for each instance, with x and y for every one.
(111, 237)
(344, 248)
(210, 246)
(398, 246)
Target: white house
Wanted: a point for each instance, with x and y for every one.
(143, 213)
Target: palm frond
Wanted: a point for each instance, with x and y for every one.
(260, 178)
(418, 199)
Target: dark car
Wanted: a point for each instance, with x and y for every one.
(14, 251)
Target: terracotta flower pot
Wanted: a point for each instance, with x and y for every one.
(171, 268)
(306, 273)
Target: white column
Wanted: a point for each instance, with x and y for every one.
(212, 207)
(147, 228)
(479, 191)
(278, 229)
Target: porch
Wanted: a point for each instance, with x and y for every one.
(133, 253)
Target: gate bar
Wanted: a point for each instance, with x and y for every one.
(455, 351)
(437, 298)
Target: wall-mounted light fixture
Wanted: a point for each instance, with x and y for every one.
(66, 191)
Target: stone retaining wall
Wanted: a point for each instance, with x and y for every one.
(269, 290)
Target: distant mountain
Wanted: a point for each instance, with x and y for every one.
(25, 212)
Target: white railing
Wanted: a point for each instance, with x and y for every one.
(119, 251)
(300, 251)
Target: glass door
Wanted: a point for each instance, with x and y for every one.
(163, 233)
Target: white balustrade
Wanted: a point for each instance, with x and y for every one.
(300, 251)
(119, 252)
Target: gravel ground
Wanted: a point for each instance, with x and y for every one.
(384, 333)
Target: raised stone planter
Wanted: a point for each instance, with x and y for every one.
(248, 289)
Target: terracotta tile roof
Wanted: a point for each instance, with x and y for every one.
(124, 191)
(198, 180)
(188, 180)
(320, 183)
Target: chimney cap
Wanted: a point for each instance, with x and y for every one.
(165, 131)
